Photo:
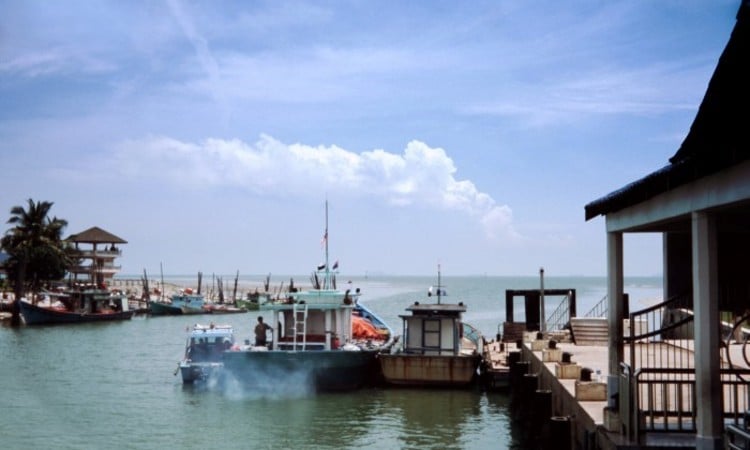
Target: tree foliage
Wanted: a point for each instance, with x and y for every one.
(37, 253)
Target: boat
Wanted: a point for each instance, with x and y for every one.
(495, 367)
(253, 300)
(314, 346)
(223, 308)
(183, 302)
(77, 304)
(438, 348)
(203, 349)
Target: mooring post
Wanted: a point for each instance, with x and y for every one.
(560, 432)
(541, 416)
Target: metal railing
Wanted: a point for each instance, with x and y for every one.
(560, 317)
(665, 399)
(738, 437)
(599, 309)
(658, 384)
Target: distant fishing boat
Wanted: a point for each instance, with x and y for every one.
(223, 308)
(438, 349)
(183, 302)
(253, 300)
(315, 343)
(77, 304)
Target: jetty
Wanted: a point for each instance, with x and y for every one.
(675, 374)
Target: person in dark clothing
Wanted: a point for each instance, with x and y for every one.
(260, 332)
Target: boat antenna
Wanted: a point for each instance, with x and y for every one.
(326, 235)
(327, 277)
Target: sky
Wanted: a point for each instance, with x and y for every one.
(470, 135)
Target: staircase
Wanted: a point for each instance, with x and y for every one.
(593, 331)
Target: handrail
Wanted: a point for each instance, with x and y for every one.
(557, 320)
(599, 309)
(665, 398)
(663, 304)
(648, 334)
(734, 431)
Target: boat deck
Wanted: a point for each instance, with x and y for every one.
(497, 369)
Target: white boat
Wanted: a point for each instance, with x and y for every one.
(438, 349)
(203, 351)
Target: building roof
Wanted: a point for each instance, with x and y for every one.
(435, 309)
(96, 235)
(718, 138)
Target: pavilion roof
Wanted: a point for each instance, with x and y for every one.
(96, 235)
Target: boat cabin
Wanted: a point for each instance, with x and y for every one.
(318, 320)
(433, 329)
(88, 299)
(206, 343)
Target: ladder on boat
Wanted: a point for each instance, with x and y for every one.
(300, 324)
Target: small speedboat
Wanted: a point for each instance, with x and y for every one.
(204, 347)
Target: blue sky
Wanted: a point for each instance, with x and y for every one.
(470, 134)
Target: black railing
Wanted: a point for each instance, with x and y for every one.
(738, 437)
(600, 309)
(658, 385)
(665, 399)
(560, 317)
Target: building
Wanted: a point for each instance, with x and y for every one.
(98, 251)
(700, 203)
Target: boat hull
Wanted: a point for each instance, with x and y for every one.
(282, 371)
(250, 305)
(163, 309)
(429, 370)
(196, 372)
(37, 315)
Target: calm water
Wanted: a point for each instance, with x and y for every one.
(112, 385)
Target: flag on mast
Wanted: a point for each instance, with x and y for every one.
(325, 238)
(336, 265)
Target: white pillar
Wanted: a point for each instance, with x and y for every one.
(615, 312)
(706, 325)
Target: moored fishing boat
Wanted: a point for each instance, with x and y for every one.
(77, 304)
(438, 349)
(314, 345)
(183, 302)
(223, 308)
(253, 300)
(203, 349)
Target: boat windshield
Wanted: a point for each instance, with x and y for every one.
(208, 348)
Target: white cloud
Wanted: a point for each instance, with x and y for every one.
(421, 175)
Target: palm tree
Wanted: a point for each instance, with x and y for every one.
(37, 253)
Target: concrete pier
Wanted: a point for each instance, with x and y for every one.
(574, 406)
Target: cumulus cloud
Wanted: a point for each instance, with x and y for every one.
(421, 175)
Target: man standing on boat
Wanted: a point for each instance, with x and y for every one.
(260, 332)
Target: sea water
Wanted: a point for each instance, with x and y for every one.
(114, 385)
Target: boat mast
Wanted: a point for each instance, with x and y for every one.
(325, 239)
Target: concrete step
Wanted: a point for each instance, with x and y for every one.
(590, 330)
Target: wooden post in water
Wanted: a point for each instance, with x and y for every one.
(234, 292)
(161, 270)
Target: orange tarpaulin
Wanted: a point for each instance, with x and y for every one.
(364, 329)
